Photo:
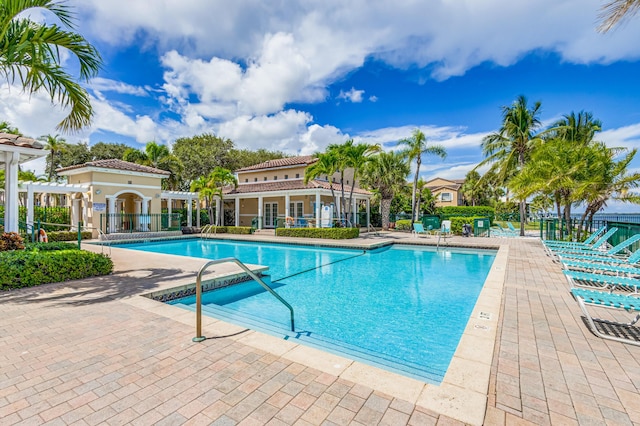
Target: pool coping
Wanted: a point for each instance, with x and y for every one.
(463, 393)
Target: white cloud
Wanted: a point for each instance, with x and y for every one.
(627, 136)
(373, 98)
(352, 95)
(107, 85)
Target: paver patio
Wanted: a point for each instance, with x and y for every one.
(92, 351)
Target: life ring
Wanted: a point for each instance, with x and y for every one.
(42, 236)
(289, 220)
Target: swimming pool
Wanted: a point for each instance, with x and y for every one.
(402, 308)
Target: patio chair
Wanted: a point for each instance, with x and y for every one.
(499, 231)
(418, 229)
(606, 260)
(601, 268)
(593, 254)
(601, 281)
(445, 229)
(629, 303)
(512, 229)
(601, 242)
(587, 242)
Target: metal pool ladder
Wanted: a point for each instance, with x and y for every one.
(199, 337)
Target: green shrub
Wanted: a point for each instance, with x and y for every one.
(239, 230)
(457, 222)
(326, 233)
(67, 235)
(449, 212)
(51, 246)
(11, 241)
(29, 268)
(404, 225)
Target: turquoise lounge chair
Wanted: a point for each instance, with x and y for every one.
(600, 268)
(576, 249)
(611, 253)
(598, 261)
(499, 231)
(418, 229)
(629, 303)
(512, 229)
(585, 243)
(602, 281)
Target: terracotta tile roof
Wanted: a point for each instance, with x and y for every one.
(286, 185)
(454, 187)
(117, 165)
(16, 140)
(281, 162)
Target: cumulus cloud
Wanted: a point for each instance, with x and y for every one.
(627, 136)
(352, 95)
(107, 85)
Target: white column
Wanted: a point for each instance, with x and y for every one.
(30, 206)
(198, 212)
(85, 210)
(318, 208)
(219, 216)
(111, 200)
(11, 192)
(368, 212)
(260, 218)
(354, 212)
(145, 219)
(190, 212)
(169, 206)
(237, 218)
(287, 213)
(75, 213)
(137, 208)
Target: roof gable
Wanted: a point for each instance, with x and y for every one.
(116, 164)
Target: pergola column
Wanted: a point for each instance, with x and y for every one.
(75, 213)
(30, 206)
(219, 217)
(237, 215)
(11, 192)
(368, 212)
(169, 207)
(260, 212)
(287, 213)
(189, 211)
(146, 220)
(111, 203)
(318, 209)
(198, 213)
(354, 212)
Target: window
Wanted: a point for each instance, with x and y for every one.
(255, 179)
(275, 178)
(297, 175)
(265, 178)
(445, 196)
(286, 176)
(296, 209)
(246, 180)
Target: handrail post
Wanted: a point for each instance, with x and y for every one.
(199, 337)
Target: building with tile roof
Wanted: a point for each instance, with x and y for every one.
(273, 193)
(446, 191)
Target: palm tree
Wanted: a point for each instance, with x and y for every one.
(327, 165)
(386, 174)
(509, 149)
(416, 146)
(206, 193)
(6, 127)
(30, 53)
(356, 157)
(55, 145)
(158, 156)
(218, 179)
(576, 128)
(615, 11)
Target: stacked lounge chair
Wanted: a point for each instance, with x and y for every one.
(600, 244)
(616, 252)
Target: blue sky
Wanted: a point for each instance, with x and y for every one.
(298, 76)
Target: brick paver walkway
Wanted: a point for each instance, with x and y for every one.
(78, 353)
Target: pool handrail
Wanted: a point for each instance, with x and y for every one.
(199, 337)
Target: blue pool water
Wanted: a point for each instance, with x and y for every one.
(402, 308)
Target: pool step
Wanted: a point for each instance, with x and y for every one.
(265, 232)
(303, 337)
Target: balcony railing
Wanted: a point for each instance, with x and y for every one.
(131, 222)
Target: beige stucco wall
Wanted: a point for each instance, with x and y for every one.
(454, 197)
(271, 175)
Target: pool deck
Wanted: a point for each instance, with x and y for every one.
(94, 351)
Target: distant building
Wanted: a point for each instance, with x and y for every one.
(446, 191)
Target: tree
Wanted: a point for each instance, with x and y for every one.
(416, 146)
(30, 52)
(509, 149)
(201, 154)
(239, 158)
(615, 11)
(55, 145)
(6, 127)
(327, 165)
(206, 193)
(75, 154)
(107, 151)
(474, 190)
(387, 174)
(158, 156)
(356, 156)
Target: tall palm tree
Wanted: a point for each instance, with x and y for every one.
(219, 178)
(326, 165)
(615, 11)
(509, 149)
(30, 53)
(386, 174)
(158, 156)
(206, 193)
(576, 128)
(6, 127)
(55, 145)
(356, 157)
(416, 146)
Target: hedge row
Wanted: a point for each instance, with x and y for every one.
(404, 225)
(231, 230)
(326, 233)
(27, 268)
(466, 211)
(67, 235)
(457, 222)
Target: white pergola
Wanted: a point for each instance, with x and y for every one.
(15, 150)
(189, 197)
(32, 188)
